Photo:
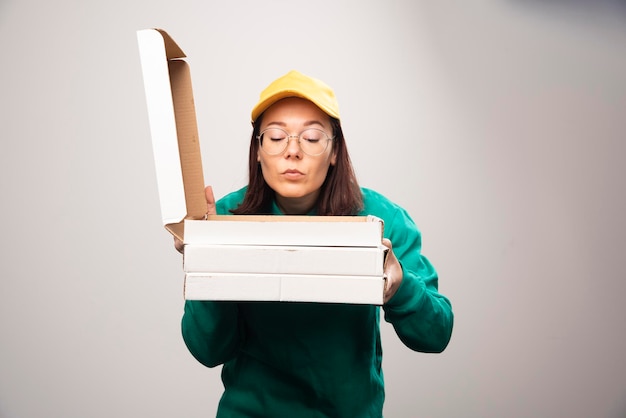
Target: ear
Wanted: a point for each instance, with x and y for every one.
(333, 158)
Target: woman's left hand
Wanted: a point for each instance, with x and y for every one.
(393, 272)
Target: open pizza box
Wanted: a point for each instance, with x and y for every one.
(174, 131)
(180, 181)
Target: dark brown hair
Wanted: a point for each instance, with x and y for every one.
(340, 193)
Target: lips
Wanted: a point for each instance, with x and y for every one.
(292, 175)
(292, 172)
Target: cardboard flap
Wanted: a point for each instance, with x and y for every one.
(172, 50)
(173, 127)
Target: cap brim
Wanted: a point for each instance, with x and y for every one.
(265, 104)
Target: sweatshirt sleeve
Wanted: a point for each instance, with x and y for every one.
(420, 315)
(211, 331)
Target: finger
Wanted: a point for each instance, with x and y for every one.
(389, 254)
(210, 201)
(393, 273)
(391, 286)
(386, 293)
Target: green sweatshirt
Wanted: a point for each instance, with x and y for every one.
(299, 360)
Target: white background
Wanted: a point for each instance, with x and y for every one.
(499, 125)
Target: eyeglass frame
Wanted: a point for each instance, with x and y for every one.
(328, 140)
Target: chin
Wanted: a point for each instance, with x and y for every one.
(293, 191)
(291, 194)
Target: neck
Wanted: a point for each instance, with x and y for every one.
(296, 205)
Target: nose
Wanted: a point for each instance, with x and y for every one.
(293, 147)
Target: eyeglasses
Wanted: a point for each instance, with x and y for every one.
(312, 142)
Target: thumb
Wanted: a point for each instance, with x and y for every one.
(210, 201)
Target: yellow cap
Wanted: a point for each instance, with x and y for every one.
(295, 84)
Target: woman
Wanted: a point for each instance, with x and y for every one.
(308, 359)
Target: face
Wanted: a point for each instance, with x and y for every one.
(295, 176)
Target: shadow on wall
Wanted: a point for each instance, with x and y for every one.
(603, 7)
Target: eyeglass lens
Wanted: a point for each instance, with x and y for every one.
(312, 141)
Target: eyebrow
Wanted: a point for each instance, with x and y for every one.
(307, 123)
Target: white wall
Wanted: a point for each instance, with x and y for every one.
(498, 125)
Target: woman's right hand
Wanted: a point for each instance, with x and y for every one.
(210, 210)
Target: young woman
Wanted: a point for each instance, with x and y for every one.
(313, 359)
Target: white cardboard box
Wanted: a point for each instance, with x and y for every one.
(177, 156)
(278, 259)
(284, 288)
(327, 231)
